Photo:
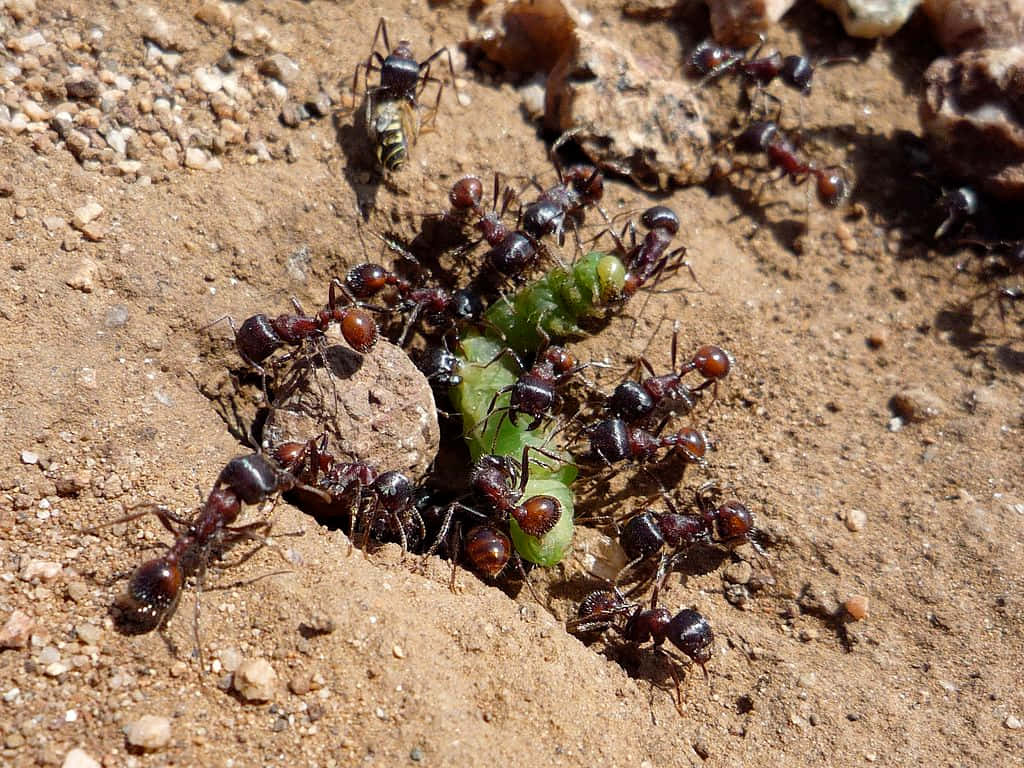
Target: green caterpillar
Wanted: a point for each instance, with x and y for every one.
(554, 305)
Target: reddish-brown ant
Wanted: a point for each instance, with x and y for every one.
(764, 136)
(613, 440)
(535, 393)
(259, 337)
(466, 197)
(635, 401)
(688, 631)
(155, 586)
(578, 186)
(712, 60)
(438, 306)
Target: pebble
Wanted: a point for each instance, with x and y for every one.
(255, 680)
(56, 669)
(16, 630)
(738, 573)
(856, 520)
(29, 457)
(963, 24)
(207, 80)
(398, 651)
(79, 758)
(916, 404)
(85, 89)
(44, 570)
(86, 214)
(280, 67)
(230, 659)
(49, 655)
(872, 18)
(196, 158)
(149, 732)
(1013, 723)
(84, 277)
(856, 606)
(89, 634)
(215, 14)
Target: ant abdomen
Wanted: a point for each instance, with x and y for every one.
(660, 217)
(733, 521)
(691, 633)
(466, 193)
(488, 549)
(712, 362)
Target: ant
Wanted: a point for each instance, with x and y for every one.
(391, 107)
(613, 440)
(437, 305)
(501, 482)
(727, 525)
(578, 186)
(534, 393)
(154, 588)
(635, 401)
(712, 60)
(765, 136)
(384, 503)
(259, 337)
(687, 630)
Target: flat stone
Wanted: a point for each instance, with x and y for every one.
(872, 18)
(79, 758)
(87, 213)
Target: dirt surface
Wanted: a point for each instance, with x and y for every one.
(104, 354)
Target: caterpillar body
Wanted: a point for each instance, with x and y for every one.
(557, 306)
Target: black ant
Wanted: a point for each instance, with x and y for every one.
(765, 136)
(635, 401)
(155, 586)
(687, 630)
(391, 107)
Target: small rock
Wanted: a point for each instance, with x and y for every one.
(397, 651)
(916, 404)
(84, 278)
(876, 339)
(156, 28)
(971, 118)
(856, 607)
(87, 213)
(739, 22)
(738, 573)
(29, 457)
(196, 158)
(300, 684)
(1013, 723)
(149, 732)
(280, 67)
(95, 231)
(207, 80)
(44, 570)
(89, 634)
(872, 18)
(318, 624)
(255, 680)
(230, 659)
(56, 669)
(855, 520)
(16, 630)
(79, 758)
(215, 14)
(85, 89)
(963, 24)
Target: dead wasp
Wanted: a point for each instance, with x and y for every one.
(392, 106)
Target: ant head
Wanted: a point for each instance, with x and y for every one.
(733, 520)
(660, 217)
(709, 56)
(712, 362)
(560, 358)
(757, 136)
(538, 515)
(586, 181)
(393, 490)
(466, 193)
(467, 305)
(359, 330)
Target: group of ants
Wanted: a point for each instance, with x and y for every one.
(627, 428)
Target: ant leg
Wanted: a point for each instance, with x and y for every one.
(164, 515)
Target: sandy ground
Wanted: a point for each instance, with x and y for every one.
(103, 344)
